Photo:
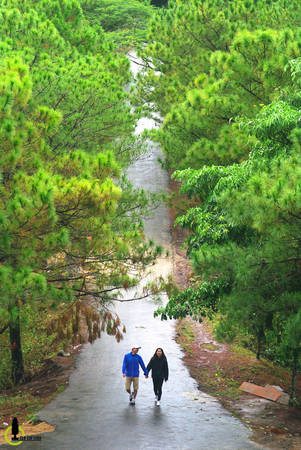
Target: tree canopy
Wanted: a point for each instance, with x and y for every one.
(210, 62)
(225, 77)
(70, 222)
(125, 22)
(245, 234)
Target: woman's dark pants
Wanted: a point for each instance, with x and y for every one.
(158, 387)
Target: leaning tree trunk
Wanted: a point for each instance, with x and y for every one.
(294, 374)
(15, 344)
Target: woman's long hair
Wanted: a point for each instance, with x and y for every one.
(156, 356)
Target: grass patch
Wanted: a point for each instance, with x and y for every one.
(186, 331)
(22, 404)
(242, 351)
(209, 346)
(61, 388)
(186, 336)
(32, 418)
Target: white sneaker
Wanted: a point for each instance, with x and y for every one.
(133, 401)
(156, 398)
(131, 398)
(158, 402)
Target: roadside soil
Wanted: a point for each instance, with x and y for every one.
(220, 368)
(33, 395)
(28, 398)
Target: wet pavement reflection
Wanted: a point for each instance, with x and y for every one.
(94, 411)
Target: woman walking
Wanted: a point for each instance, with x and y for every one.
(159, 367)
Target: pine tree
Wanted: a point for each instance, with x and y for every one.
(245, 235)
(208, 63)
(68, 231)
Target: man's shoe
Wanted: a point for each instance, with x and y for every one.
(133, 401)
(131, 397)
(158, 402)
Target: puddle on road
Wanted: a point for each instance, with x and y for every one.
(210, 346)
(200, 397)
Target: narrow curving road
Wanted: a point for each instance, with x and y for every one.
(94, 412)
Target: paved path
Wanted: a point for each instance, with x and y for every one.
(94, 413)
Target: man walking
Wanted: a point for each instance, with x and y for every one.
(130, 370)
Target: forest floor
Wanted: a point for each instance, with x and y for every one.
(220, 369)
(27, 399)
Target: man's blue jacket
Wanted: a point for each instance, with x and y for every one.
(131, 363)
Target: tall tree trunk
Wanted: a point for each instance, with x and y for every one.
(260, 338)
(15, 344)
(258, 347)
(294, 373)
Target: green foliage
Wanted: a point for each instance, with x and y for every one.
(225, 77)
(38, 342)
(20, 401)
(124, 22)
(70, 225)
(198, 303)
(207, 63)
(245, 233)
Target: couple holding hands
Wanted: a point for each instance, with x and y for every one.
(130, 370)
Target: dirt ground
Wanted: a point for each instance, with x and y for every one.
(38, 392)
(42, 387)
(220, 369)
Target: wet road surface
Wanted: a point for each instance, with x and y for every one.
(94, 411)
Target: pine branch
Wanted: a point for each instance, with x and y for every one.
(128, 299)
(4, 328)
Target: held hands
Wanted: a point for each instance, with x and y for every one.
(146, 376)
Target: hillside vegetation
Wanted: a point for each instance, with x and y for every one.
(226, 78)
